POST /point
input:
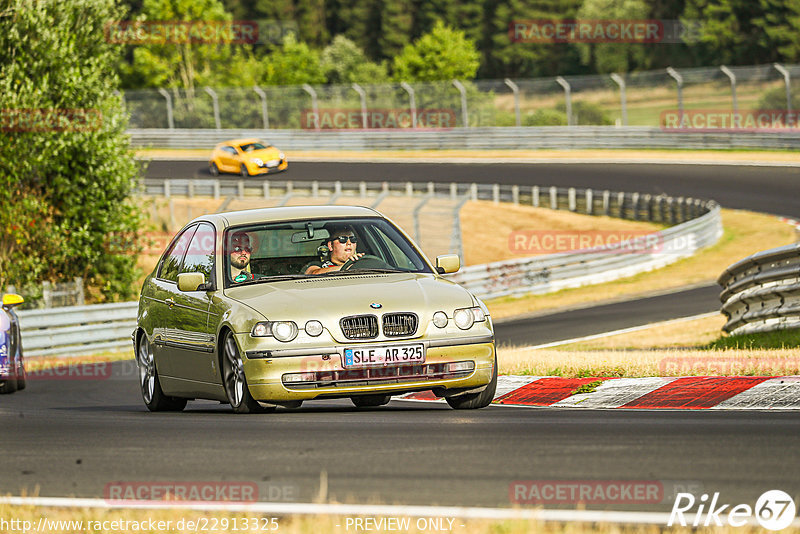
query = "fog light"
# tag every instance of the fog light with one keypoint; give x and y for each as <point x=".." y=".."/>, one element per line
<point x="313" y="328"/>
<point x="460" y="366"/>
<point x="440" y="319"/>
<point x="299" y="377"/>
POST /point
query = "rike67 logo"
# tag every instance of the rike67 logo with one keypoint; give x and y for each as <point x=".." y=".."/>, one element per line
<point x="774" y="510"/>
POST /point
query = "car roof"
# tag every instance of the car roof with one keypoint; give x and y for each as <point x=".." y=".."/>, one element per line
<point x="287" y="213"/>
<point x="242" y="141"/>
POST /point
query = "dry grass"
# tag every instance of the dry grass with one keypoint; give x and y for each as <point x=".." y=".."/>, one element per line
<point x="641" y="363"/>
<point x="745" y="233"/>
<point x="38" y="363"/>
<point x="670" y="334"/>
<point x="487" y="228"/>
<point x="178" y="521"/>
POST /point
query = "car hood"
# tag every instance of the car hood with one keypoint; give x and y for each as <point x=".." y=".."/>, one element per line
<point x="331" y="298"/>
<point x="265" y="153"/>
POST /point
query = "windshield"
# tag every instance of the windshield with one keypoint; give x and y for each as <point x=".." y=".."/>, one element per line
<point x="249" y="147"/>
<point x="275" y="251"/>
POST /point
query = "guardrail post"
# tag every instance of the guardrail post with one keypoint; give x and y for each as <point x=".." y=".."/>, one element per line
<point x="431" y="188"/>
<point x="412" y="103"/>
<point x="314" y="107"/>
<point x="264" y="114"/>
<point x="362" y="189"/>
<point x="47" y="294"/>
<point x="515" y="88"/>
<point x="240" y="187"/>
<point x="415" y="213"/>
<point x="679" y="80"/>
<point x="362" y="95"/>
<point x="635" y="202"/>
<point x="314" y="189"/>
<point x="266" y="189"/>
<point x="729" y="73"/>
<point x="787" y="82"/>
<point x="473" y="192"/>
<point x="515" y="194"/>
<point x="337" y="188"/>
<point x="167" y="188"/>
<point x="289" y="187"/>
<point x="190" y="189"/>
<point x="496" y="193"/>
<point x="621" y="204"/>
<point x="567" y="97"/>
<point x="453" y="190"/>
<point x="572" y="201"/>
<point x="79" y="291"/>
<point x="553" y="198"/>
<point x="409" y="189"/>
<point x="648" y="205"/>
<point x="215" y="103"/>
<point x="589" y="202"/>
<point x="623" y="101"/>
<point x="216" y="189"/>
<point x="464" y="111"/>
<point x="168" y="98"/>
<point x="606" y="202"/>
<point x="535" y="196"/>
<point x="671" y="210"/>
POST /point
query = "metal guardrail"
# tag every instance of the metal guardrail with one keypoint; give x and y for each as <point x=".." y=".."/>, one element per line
<point x="77" y="329"/>
<point x="84" y="329"/>
<point x="761" y="292"/>
<point x="513" y="138"/>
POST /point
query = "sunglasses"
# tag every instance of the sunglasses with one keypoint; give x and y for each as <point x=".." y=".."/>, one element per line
<point x="344" y="238"/>
<point x="239" y="248"/>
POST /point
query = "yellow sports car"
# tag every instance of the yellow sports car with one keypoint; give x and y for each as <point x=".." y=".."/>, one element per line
<point x="248" y="157"/>
<point x="275" y="306"/>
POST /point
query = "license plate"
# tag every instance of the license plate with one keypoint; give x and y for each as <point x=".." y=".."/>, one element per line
<point x="384" y="355"/>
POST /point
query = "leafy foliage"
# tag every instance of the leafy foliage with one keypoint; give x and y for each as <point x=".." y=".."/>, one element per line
<point x="64" y="186"/>
<point x="442" y="54"/>
<point x="294" y="63"/>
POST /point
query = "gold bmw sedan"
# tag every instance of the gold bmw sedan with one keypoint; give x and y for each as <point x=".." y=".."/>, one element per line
<point x="271" y="307"/>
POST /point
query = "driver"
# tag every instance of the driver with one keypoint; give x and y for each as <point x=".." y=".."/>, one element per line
<point x="240" y="251"/>
<point x="342" y="245"/>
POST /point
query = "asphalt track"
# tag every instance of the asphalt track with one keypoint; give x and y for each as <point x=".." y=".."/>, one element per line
<point x="75" y="437"/>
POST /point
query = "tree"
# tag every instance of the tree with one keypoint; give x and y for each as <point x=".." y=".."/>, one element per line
<point x="344" y="62"/>
<point x="442" y="54"/>
<point x="613" y="57"/>
<point x="292" y="64"/>
<point x="66" y="169"/>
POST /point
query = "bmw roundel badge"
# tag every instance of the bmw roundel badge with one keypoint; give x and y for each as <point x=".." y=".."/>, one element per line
<point x="375" y="306"/>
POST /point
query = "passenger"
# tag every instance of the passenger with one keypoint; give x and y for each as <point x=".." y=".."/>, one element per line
<point x="342" y="245"/>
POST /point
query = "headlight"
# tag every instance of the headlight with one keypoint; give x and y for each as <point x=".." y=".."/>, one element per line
<point x="281" y="156"/>
<point x="313" y="328"/>
<point x="258" y="161"/>
<point x="280" y="330"/>
<point x="466" y="317"/>
<point x="440" y="319"/>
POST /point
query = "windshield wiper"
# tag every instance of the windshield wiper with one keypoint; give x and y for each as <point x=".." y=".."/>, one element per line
<point x="363" y="271"/>
<point x="273" y="278"/>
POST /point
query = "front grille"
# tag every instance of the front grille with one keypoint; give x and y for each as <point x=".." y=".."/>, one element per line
<point x="399" y="324"/>
<point x="359" y="327"/>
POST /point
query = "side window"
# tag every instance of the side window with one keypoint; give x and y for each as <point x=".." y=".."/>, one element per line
<point x="399" y="259"/>
<point x="230" y="150"/>
<point x="200" y="255"/>
<point x="170" y="266"/>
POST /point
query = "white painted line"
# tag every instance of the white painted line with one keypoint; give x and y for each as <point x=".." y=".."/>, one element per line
<point x="508" y="383"/>
<point x="614" y="393"/>
<point x="616" y="332"/>
<point x="780" y="393"/>
<point x="579" y="516"/>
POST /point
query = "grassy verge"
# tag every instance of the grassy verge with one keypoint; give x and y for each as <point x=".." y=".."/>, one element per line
<point x="781" y="339"/>
<point x="745" y="233"/>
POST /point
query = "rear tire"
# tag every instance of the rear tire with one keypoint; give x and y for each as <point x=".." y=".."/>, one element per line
<point x="476" y="400"/>
<point x="235" y="382"/>
<point x="152" y="394"/>
<point x="370" y="401"/>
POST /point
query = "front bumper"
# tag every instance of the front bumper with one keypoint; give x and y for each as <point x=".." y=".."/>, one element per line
<point x="265" y="376"/>
<point x="256" y="170"/>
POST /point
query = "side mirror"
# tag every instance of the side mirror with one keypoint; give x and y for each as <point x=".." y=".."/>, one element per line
<point x="191" y="281"/>
<point x="10" y="300"/>
<point x="448" y="263"/>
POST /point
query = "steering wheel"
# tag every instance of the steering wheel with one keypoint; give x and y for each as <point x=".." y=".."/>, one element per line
<point x="365" y="262"/>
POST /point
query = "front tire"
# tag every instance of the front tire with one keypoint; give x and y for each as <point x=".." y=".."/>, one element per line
<point x="244" y="172"/>
<point x="213" y="169"/>
<point x="21" y="382"/>
<point x="234" y="380"/>
<point x="370" y="401"/>
<point x="476" y="400"/>
<point x="152" y="394"/>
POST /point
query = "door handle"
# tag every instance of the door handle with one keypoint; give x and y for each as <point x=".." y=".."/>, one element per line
<point x="169" y="302"/>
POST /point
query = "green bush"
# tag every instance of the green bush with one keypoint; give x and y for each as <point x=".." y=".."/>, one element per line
<point x="545" y="117"/>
